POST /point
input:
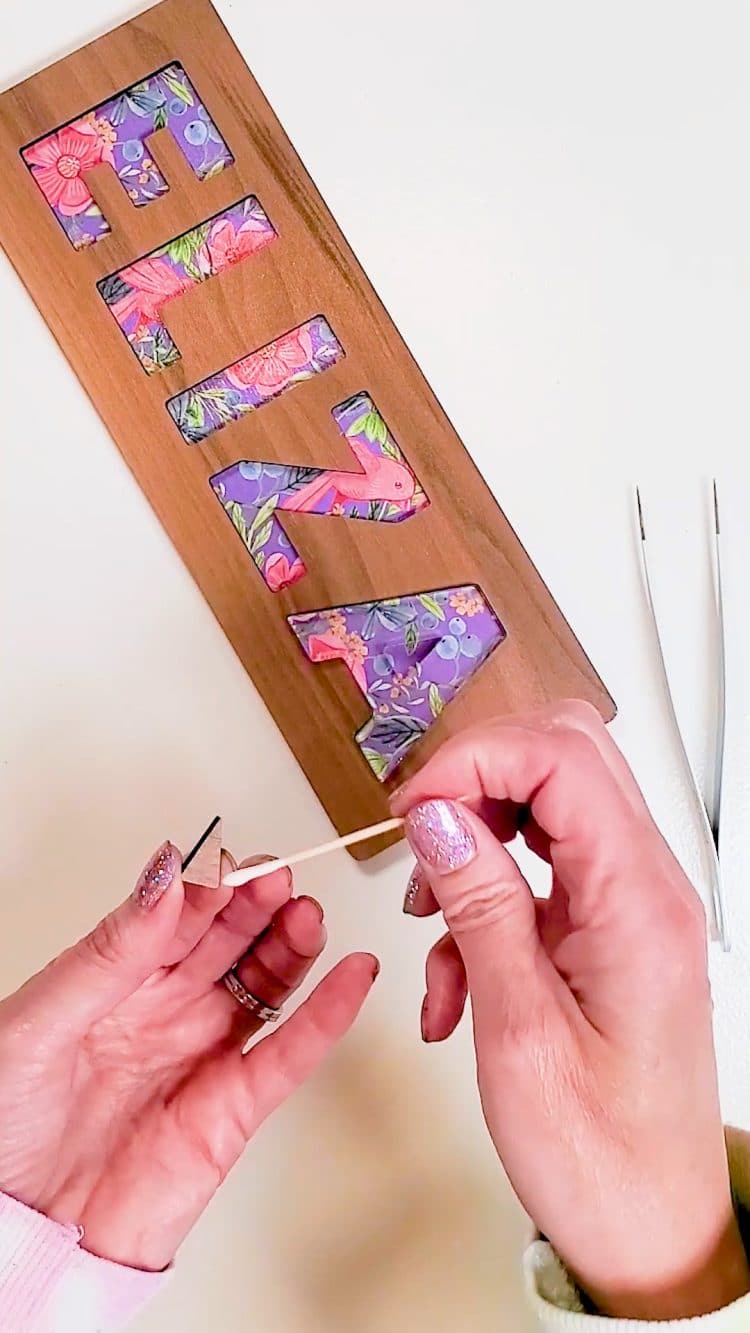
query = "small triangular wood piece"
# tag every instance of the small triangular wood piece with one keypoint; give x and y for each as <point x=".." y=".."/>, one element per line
<point x="205" y="867"/>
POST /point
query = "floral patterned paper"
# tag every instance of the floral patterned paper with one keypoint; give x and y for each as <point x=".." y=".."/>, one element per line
<point x="254" y="380"/>
<point x="384" y="489"/>
<point x="137" y="294"/>
<point x="409" y="656"/>
<point x="115" y="132"/>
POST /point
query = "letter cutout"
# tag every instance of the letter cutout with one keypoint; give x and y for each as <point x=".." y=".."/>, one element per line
<point x="254" y="380"/>
<point x="115" y="132"/>
<point x="409" y="656"/>
<point x="384" y="490"/>
<point x="137" y="294"/>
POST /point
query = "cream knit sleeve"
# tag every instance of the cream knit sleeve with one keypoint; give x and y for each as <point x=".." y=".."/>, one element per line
<point x="557" y="1303"/>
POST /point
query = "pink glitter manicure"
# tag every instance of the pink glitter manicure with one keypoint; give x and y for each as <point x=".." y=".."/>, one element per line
<point x="157" y="877"/>
<point x="416" y="880"/>
<point x="440" y="836"/>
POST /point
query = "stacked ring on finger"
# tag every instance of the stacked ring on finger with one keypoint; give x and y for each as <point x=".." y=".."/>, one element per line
<point x="263" y="1012"/>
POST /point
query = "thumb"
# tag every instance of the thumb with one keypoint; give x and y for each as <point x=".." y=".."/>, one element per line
<point x="487" y="904"/>
<point x="85" y="982"/>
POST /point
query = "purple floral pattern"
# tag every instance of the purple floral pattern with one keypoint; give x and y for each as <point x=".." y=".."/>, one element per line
<point x="115" y="132"/>
<point x="409" y="656"/>
<point x="384" y="490"/>
<point x="137" y="294"/>
<point x="255" y="379"/>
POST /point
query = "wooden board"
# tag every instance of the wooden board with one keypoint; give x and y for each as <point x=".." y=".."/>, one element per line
<point x="461" y="537"/>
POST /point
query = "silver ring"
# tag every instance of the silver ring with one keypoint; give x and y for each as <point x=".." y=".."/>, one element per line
<point x="263" y="1012"/>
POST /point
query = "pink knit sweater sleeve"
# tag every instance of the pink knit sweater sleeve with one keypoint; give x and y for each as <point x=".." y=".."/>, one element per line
<point x="48" y="1284"/>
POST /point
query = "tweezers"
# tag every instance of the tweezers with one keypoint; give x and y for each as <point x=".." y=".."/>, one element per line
<point x="709" y="822"/>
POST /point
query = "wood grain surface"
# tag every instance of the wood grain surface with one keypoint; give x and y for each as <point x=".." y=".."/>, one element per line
<point x="462" y="537"/>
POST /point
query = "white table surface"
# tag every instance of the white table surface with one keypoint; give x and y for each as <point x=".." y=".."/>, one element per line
<point x="552" y="201"/>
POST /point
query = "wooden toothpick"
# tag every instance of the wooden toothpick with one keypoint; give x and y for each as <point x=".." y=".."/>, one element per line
<point x="244" y="876"/>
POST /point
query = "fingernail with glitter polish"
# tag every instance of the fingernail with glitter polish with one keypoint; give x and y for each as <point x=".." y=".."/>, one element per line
<point x="441" y="836"/>
<point x="416" y="880"/>
<point x="157" y="877"/>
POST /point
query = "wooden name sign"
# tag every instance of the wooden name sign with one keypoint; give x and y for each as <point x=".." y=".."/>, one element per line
<point x="185" y="262"/>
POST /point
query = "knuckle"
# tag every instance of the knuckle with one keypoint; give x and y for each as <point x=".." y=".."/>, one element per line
<point x="104" y="946"/>
<point x="257" y="859"/>
<point x="686" y="921"/>
<point x="524" y="1038"/>
<point x="677" y="940"/>
<point x="579" y="713"/>
<point x="16" y="1026"/>
<point x="692" y="908"/>
<point x="228" y="862"/>
<point x="578" y="748"/>
<point x="477" y="906"/>
<point x="531" y="1040"/>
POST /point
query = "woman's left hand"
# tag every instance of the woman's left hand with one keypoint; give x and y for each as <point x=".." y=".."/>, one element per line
<point x="124" y="1096"/>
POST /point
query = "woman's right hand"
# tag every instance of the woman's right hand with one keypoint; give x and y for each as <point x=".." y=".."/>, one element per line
<point x="592" y="1010"/>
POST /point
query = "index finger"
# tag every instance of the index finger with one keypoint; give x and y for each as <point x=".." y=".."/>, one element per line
<point x="576" y="783"/>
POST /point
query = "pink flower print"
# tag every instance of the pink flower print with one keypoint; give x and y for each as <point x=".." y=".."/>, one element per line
<point x="280" y="574"/>
<point x="270" y="368"/>
<point x="59" y="163"/>
<point x="103" y="135"/>
<point x="330" y="648"/>
<point x="227" y="245"/>
<point x="154" y="282"/>
<point x="467" y="603"/>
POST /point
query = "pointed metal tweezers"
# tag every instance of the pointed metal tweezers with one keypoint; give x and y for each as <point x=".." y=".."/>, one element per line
<point x="710" y="824"/>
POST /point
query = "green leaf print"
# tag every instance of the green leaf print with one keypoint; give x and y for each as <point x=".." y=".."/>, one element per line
<point x="378" y="762"/>
<point x="234" y="511"/>
<point x="436" y="700"/>
<point x="372" y="426"/>
<point x="431" y="605"/>
<point x="389" y="450"/>
<point x="216" y="402"/>
<point x="195" y="415"/>
<point x="259" y="538"/>
<point x="160" y="118"/>
<point x="183" y="248"/>
<point x="375" y="428"/>
<point x="411" y="637"/>
<point x="164" y="351"/>
<point x="358" y="427"/>
<point x="179" y="89"/>
<point x="214" y="169"/>
<point x="262" y="525"/>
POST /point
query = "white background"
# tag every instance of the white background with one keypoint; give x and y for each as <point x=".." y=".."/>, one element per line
<point x="552" y="201"/>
